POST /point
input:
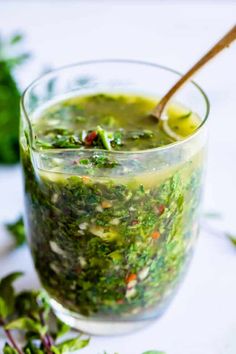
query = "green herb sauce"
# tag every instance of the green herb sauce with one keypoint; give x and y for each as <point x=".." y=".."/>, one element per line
<point x="110" y="233"/>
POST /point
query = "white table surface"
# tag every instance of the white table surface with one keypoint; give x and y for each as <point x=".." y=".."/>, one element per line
<point x="202" y="317"/>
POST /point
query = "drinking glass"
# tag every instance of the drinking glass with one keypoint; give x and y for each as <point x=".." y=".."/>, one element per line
<point x="111" y="268"/>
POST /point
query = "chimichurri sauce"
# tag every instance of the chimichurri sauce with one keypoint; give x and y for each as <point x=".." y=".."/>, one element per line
<point x="110" y="234"/>
<point x="111" y="122"/>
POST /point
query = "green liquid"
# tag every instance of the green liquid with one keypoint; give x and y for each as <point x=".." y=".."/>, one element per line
<point x="125" y="119"/>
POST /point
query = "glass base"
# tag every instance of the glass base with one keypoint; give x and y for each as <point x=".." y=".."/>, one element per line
<point x="97" y="327"/>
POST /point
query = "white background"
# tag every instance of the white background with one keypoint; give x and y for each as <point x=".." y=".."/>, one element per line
<point x="202" y="317"/>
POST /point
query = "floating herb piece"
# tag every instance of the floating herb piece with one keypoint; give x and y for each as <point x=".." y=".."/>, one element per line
<point x="109" y="122"/>
<point x="184" y="116"/>
<point x="105" y="137"/>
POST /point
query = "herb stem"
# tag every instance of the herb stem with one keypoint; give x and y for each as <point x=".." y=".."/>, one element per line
<point x="46" y="340"/>
<point x="10" y="337"/>
<point x="46" y="345"/>
<point x="12" y="341"/>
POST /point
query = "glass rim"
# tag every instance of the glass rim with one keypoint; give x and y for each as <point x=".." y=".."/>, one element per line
<point x="118" y="61"/>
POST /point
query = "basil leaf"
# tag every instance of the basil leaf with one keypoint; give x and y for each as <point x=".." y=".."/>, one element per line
<point x="73" y="344"/>
<point x="27" y="324"/>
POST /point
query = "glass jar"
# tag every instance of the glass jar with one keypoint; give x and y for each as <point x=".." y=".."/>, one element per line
<point x="113" y="268"/>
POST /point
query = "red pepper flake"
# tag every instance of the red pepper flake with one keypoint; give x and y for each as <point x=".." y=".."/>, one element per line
<point x="160" y="209"/>
<point x="131" y="277"/>
<point x="155" y="235"/>
<point x="134" y="222"/>
<point x="90" y="137"/>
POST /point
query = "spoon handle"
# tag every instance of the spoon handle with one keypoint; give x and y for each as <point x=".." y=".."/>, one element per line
<point x="224" y="42"/>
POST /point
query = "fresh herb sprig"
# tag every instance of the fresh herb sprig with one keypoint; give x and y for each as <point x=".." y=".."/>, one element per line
<point x="10" y="57"/>
<point x="29" y="312"/>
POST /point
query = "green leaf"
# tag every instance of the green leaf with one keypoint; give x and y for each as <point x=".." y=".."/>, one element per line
<point x="232" y="238"/>
<point x="27" y="324"/>
<point x="62" y="329"/>
<point x="43" y="303"/>
<point x="17" y="231"/>
<point x="9" y="116"/>
<point x="73" y="344"/>
<point x="7" y="294"/>
<point x="31" y="348"/>
<point x="9" y="350"/>
<point x="104" y="136"/>
<point x="10" y="278"/>
<point x="10" y="57"/>
<point x="3" y="308"/>
<point x="55" y="350"/>
<point x="26" y="303"/>
<point x="102" y="161"/>
<point x="16" y="38"/>
<point x="31" y="302"/>
<point x="184" y="116"/>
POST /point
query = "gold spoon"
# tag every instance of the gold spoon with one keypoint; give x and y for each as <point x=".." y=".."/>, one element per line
<point x="217" y="48"/>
